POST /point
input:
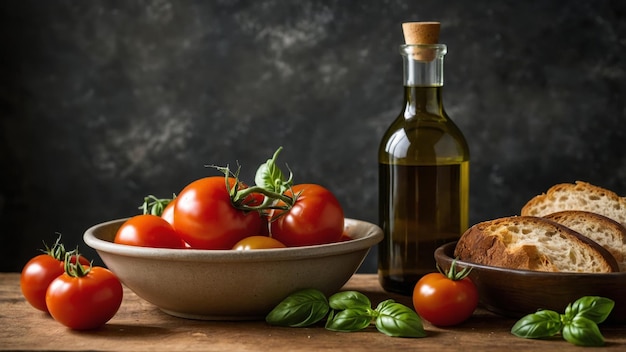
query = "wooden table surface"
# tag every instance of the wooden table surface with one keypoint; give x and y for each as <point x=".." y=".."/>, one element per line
<point x="140" y="326"/>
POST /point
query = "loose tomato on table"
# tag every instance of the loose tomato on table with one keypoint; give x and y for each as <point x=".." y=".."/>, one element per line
<point x="148" y="231"/>
<point x="445" y="299"/>
<point x="206" y="214"/>
<point x="316" y="217"/>
<point x="40" y="271"/>
<point x="84" y="297"/>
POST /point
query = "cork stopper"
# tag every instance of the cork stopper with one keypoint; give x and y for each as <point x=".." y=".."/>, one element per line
<point x="421" y="32"/>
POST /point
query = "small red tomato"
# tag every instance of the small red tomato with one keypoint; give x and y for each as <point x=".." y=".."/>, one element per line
<point x="315" y="218"/>
<point x="84" y="297"/>
<point x="148" y="231"/>
<point x="257" y="242"/>
<point x="40" y="271"/>
<point x="445" y="299"/>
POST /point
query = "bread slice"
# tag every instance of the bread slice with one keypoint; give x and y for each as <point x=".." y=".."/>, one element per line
<point x="533" y="243"/>
<point x="578" y="196"/>
<point x="605" y="231"/>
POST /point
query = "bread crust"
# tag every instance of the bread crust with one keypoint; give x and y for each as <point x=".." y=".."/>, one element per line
<point x="478" y="245"/>
<point x="578" y="196"/>
<point x="497" y="243"/>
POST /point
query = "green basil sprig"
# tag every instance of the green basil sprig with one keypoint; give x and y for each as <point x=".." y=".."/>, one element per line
<point x="345" y="312"/>
<point x="579" y="324"/>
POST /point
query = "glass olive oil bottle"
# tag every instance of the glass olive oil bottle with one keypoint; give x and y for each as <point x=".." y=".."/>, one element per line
<point x="423" y="175"/>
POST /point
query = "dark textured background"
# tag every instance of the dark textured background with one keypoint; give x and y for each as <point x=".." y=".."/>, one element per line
<point x="103" y="102"/>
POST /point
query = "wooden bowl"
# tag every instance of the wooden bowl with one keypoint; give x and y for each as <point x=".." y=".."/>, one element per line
<point x="515" y="293"/>
<point x="230" y="284"/>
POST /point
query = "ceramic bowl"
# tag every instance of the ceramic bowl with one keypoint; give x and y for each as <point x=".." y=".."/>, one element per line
<point x="229" y="284"/>
<point x="515" y="293"/>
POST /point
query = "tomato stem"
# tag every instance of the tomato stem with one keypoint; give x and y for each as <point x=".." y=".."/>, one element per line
<point x="270" y="183"/>
<point x="155" y="206"/>
<point x="75" y="269"/>
<point x="452" y="273"/>
<point x="271" y="200"/>
<point x="58" y="249"/>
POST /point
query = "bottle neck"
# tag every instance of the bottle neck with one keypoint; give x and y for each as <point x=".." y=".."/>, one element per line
<point x="423" y="64"/>
<point x="423" y="78"/>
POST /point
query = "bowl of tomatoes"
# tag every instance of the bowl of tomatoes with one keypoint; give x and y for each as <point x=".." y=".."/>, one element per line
<point x="228" y="284"/>
<point x="225" y="249"/>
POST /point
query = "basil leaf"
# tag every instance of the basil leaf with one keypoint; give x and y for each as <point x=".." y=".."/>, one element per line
<point x="349" y="299"/>
<point x="582" y="331"/>
<point x="302" y="308"/>
<point x="350" y="319"/>
<point x="395" y="319"/>
<point x="270" y="177"/>
<point x="597" y="309"/>
<point x="543" y="323"/>
<point x="383" y="305"/>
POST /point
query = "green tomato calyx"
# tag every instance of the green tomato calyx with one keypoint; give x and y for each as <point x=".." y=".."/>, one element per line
<point x="75" y="268"/>
<point x="453" y="274"/>
<point x="57" y="251"/>
<point x="155" y="206"/>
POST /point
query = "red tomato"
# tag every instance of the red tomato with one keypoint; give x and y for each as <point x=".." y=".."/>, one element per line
<point x="205" y="217"/>
<point x="148" y="231"/>
<point x="168" y="212"/>
<point x="84" y="302"/>
<point x="40" y="271"/>
<point x="168" y="215"/>
<point x="315" y="218"/>
<point x="445" y="300"/>
<point x="257" y="242"/>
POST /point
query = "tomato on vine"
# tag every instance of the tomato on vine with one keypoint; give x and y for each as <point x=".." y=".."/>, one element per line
<point x="84" y="297"/>
<point x="445" y="299"/>
<point x="40" y="271"/>
<point x="316" y="217"/>
<point x="298" y="215"/>
<point x="207" y="216"/>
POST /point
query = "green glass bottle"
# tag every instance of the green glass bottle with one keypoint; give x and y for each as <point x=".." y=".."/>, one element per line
<point x="423" y="175"/>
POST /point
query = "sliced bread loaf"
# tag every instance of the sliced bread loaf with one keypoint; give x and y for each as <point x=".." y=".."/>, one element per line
<point x="533" y="243"/>
<point x="578" y="196"/>
<point x="605" y="231"/>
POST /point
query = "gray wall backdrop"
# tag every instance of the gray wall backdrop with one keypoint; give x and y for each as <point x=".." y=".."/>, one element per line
<point x="103" y="102"/>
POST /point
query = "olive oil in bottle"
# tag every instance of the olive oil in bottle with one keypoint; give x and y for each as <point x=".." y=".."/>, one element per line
<point x="423" y="169"/>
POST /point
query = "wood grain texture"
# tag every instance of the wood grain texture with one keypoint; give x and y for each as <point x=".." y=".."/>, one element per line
<point x="139" y="326"/>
